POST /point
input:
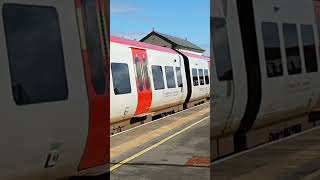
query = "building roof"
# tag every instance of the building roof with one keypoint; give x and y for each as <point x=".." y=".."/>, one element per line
<point x="175" y="41"/>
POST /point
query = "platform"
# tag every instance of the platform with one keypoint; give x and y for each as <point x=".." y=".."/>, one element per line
<point x="296" y="157"/>
<point x="174" y="147"/>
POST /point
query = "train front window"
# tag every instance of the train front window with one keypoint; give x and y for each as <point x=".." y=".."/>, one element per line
<point x="35" y="53"/>
<point x="158" y="80"/>
<point x="221" y="49"/>
<point x="171" y="83"/>
<point x="201" y="76"/>
<point x="309" y="48"/>
<point x="206" y="76"/>
<point x="195" y="77"/>
<point x="272" y="49"/>
<point x="121" y="78"/>
<point x="290" y="34"/>
<point x="95" y="51"/>
<point x="179" y="77"/>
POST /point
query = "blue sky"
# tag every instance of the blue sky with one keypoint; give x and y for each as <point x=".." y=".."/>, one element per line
<point x="133" y="19"/>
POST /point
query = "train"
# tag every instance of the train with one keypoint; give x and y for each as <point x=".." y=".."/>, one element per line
<point x="265" y="75"/>
<point x="54" y="93"/>
<point x="149" y="81"/>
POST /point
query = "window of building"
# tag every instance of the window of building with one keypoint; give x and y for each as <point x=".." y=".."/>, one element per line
<point x="121" y="78"/>
<point x="291" y="41"/>
<point x="272" y="49"/>
<point x="158" y="80"/>
<point x="139" y="74"/>
<point x="195" y="77"/>
<point x="309" y="48"/>
<point x="221" y="49"/>
<point x="171" y="83"/>
<point x="179" y="77"/>
<point x="201" y="77"/>
<point x="35" y="52"/>
<point x="93" y="41"/>
<point x="206" y="76"/>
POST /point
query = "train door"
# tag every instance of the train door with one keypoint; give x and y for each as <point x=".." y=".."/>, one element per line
<point x="223" y="81"/>
<point x="92" y="18"/>
<point x="140" y="60"/>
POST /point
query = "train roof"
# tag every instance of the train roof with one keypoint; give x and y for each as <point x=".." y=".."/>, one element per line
<point x="142" y="45"/>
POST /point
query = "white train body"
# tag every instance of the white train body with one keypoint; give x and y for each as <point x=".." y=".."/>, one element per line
<point x="265" y="59"/>
<point x="171" y="90"/>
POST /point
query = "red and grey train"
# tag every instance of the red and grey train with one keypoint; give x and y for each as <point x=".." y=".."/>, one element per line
<point x="148" y="79"/>
<point x="54" y="93"/>
<point x="265" y="71"/>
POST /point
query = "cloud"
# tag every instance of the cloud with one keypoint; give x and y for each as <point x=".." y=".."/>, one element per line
<point x="123" y="8"/>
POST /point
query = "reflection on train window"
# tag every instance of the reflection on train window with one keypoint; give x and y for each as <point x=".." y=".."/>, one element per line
<point x="221" y="49"/>
<point x="201" y="78"/>
<point x="93" y="41"/>
<point x="179" y="77"/>
<point x="272" y="49"/>
<point x="290" y="33"/>
<point x="146" y="74"/>
<point x="195" y="77"/>
<point x="171" y="83"/>
<point x="206" y="76"/>
<point x="121" y="78"/>
<point x="139" y="74"/>
<point x="35" y="54"/>
<point x="157" y="74"/>
<point x="309" y="48"/>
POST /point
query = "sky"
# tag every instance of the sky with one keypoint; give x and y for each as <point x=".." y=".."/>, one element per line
<point x="133" y="19"/>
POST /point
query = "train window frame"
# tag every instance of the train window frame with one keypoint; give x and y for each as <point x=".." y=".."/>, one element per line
<point x="125" y="74"/>
<point x="179" y="77"/>
<point x="221" y="49"/>
<point x="170" y="77"/>
<point x="158" y="84"/>
<point x="195" y="77"/>
<point x="292" y="52"/>
<point x="41" y="76"/>
<point x="206" y="76"/>
<point x="311" y="66"/>
<point x="201" y="78"/>
<point x="94" y="47"/>
<point x="269" y="53"/>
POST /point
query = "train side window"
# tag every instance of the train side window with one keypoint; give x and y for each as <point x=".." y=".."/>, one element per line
<point x="121" y="78"/>
<point x="171" y="83"/>
<point x="179" y="77"/>
<point x="195" y="77"/>
<point x="146" y="73"/>
<point x="158" y="80"/>
<point x="291" y="41"/>
<point x="309" y="48"/>
<point x="221" y="49"/>
<point x="35" y="53"/>
<point x="206" y="76"/>
<point x="201" y="78"/>
<point x="272" y="49"/>
<point x="95" y="51"/>
<point x="139" y="74"/>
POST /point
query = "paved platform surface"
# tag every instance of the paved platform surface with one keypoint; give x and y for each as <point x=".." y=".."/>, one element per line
<point x="173" y="148"/>
<point x="294" y="158"/>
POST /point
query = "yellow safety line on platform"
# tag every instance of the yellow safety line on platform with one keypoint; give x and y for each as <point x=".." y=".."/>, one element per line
<point x="136" y="142"/>
<point x="314" y="175"/>
<point x="154" y="146"/>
